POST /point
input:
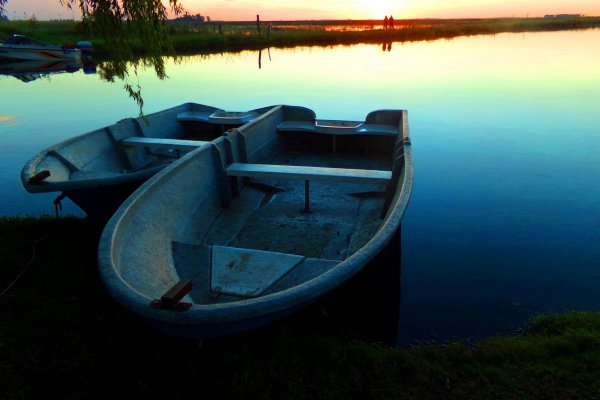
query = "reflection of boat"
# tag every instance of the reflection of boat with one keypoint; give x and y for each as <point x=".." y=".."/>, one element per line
<point x="21" y="47"/>
<point x="28" y="71"/>
<point x="217" y="242"/>
<point x="99" y="169"/>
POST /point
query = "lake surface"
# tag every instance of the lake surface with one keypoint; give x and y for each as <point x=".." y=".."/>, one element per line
<point x="504" y="222"/>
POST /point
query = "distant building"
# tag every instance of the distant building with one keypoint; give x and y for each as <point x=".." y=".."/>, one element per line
<point x="563" y="16"/>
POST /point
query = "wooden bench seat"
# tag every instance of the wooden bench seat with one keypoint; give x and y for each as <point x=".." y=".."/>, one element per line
<point x="338" y="128"/>
<point x="218" y="117"/>
<point x="309" y="173"/>
<point x="296" y="126"/>
<point x="194" y="116"/>
<point x="157" y="143"/>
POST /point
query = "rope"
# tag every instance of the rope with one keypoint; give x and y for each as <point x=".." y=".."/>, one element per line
<point x="57" y="203"/>
<point x="33" y="256"/>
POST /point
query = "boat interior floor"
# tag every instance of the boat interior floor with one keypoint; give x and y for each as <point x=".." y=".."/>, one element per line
<point x="338" y="223"/>
<point x="343" y="217"/>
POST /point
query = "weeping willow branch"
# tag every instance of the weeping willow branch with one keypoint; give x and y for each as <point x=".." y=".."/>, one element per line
<point x="120" y="69"/>
<point x="129" y="28"/>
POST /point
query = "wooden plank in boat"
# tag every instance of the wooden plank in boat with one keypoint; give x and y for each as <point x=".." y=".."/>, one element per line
<point x="309" y="173"/>
<point x="232" y="117"/>
<point x="194" y="116"/>
<point x="338" y="128"/>
<point x="218" y="117"/>
<point x="296" y="126"/>
<point x="248" y="272"/>
<point x="177" y="144"/>
<point x="370" y="129"/>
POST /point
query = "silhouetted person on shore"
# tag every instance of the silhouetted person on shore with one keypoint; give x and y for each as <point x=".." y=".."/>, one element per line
<point x="385" y="22"/>
<point x="391" y="22"/>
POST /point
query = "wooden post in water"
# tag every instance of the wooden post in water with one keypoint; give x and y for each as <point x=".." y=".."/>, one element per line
<point x="258" y="23"/>
<point x="269" y="31"/>
<point x="259" y="59"/>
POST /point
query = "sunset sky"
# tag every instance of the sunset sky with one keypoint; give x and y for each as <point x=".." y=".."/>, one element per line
<point x="338" y="9"/>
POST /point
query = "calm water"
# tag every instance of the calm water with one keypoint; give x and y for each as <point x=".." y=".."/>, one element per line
<point x="504" y="222"/>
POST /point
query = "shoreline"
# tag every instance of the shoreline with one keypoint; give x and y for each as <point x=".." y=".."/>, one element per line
<point x="215" y="37"/>
<point x="62" y="334"/>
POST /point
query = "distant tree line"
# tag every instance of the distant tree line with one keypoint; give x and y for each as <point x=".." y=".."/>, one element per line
<point x="563" y="15"/>
<point x="187" y="17"/>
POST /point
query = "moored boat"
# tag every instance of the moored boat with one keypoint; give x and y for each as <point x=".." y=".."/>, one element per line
<point x="99" y="169"/>
<point x="259" y="223"/>
<point x="21" y="47"/>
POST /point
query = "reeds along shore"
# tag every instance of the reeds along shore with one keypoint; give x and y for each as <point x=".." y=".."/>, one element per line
<point x="207" y="37"/>
<point x="62" y="336"/>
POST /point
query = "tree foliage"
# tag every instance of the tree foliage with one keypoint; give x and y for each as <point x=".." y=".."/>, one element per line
<point x="129" y="28"/>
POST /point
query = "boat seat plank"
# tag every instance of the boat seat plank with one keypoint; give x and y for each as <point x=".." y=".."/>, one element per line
<point x="232" y="117"/>
<point x="218" y="117"/>
<point x="349" y="128"/>
<point x="370" y="129"/>
<point x="248" y="272"/>
<point x="194" y="116"/>
<point x="177" y="144"/>
<point x="309" y="173"/>
<point x="296" y="126"/>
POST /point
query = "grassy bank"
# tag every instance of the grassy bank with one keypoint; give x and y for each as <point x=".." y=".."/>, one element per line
<point x="62" y="336"/>
<point x="232" y="36"/>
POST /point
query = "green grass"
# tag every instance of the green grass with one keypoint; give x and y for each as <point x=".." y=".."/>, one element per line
<point x="206" y="37"/>
<point x="59" y="32"/>
<point x="62" y="336"/>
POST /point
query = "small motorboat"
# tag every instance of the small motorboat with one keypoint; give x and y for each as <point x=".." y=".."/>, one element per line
<point x="19" y="47"/>
<point x="99" y="169"/>
<point x="260" y="222"/>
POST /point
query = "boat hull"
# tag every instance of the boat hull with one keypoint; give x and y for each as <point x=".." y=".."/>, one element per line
<point x="100" y="203"/>
<point x="38" y="53"/>
<point x="368" y="304"/>
<point x="234" y="243"/>
<point x="99" y="169"/>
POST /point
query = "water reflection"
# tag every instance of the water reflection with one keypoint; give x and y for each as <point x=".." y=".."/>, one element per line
<point x="8" y="118"/>
<point x="504" y="219"/>
<point x="123" y="68"/>
<point x="260" y="57"/>
<point x="28" y="71"/>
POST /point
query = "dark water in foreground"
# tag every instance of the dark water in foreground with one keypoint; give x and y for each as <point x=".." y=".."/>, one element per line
<point x="504" y="222"/>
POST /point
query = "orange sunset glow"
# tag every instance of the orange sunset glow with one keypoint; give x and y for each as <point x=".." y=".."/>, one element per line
<point x="235" y="10"/>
